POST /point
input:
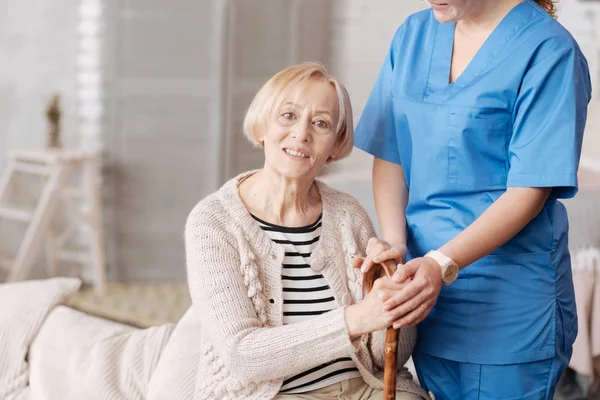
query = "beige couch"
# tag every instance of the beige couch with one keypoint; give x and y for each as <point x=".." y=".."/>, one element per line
<point x="75" y="352"/>
<point x="52" y="352"/>
<point x="49" y="351"/>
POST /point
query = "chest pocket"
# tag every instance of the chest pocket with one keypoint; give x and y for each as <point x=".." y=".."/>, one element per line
<point x="477" y="151"/>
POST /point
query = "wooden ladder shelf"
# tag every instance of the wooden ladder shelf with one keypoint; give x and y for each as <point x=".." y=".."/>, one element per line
<point x="53" y="167"/>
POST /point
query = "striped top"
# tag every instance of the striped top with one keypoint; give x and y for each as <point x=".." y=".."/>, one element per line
<point x="306" y="293"/>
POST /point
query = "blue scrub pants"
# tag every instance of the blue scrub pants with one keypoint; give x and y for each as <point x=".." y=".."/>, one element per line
<point x="454" y="380"/>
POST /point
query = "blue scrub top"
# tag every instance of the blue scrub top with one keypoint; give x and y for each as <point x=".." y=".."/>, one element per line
<point x="515" y="117"/>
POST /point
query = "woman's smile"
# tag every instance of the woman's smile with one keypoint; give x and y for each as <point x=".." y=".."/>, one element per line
<point x="296" y="154"/>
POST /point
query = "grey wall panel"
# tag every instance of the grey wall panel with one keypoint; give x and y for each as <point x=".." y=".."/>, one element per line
<point x="165" y="45"/>
<point x="314" y="31"/>
<point x="38" y="46"/>
<point x="164" y="168"/>
<point x="164" y="116"/>
<point x="261" y="37"/>
<point x="162" y="6"/>
<point x="266" y="36"/>
<point x="245" y="155"/>
<point x="164" y="136"/>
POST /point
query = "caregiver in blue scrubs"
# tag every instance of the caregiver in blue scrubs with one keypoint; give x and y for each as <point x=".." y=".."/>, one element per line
<point x="476" y="123"/>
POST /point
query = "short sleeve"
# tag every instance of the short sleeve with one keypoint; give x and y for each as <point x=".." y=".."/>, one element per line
<point x="375" y="132"/>
<point x="549" y="120"/>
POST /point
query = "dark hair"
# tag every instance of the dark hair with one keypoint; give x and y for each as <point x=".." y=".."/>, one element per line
<point x="549" y="6"/>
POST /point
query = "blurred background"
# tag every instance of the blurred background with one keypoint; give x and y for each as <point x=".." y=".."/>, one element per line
<point x="160" y="89"/>
<point x="157" y="90"/>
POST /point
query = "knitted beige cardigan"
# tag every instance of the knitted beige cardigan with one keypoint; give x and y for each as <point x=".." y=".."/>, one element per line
<point x="234" y="274"/>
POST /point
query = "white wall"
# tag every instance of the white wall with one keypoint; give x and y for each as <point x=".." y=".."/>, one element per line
<point x="362" y="33"/>
<point x="582" y="19"/>
<point x="38" y="52"/>
<point x="38" y="46"/>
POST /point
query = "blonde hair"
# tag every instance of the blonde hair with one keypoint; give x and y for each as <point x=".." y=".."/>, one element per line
<point x="273" y="93"/>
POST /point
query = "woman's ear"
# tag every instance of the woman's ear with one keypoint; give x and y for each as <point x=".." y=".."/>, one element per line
<point x="338" y="148"/>
<point x="335" y="152"/>
<point x="260" y="139"/>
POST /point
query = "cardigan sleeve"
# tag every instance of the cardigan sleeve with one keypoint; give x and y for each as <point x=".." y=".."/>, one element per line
<point x="252" y="350"/>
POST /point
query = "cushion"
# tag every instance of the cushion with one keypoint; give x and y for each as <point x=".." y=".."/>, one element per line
<point x="120" y="367"/>
<point x="23" y="309"/>
<point x="24" y="394"/>
<point x="64" y="333"/>
<point x="79" y="356"/>
<point x="175" y="375"/>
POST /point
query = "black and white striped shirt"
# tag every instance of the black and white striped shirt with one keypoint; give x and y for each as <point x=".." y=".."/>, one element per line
<point x="306" y="293"/>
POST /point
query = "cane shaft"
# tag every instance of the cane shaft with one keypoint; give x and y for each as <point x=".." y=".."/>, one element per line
<point x="391" y="336"/>
<point x="389" y="366"/>
<point x="391" y="349"/>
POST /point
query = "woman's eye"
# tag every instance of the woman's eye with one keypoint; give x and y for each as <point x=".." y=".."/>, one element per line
<point x="321" y="124"/>
<point x="288" y="115"/>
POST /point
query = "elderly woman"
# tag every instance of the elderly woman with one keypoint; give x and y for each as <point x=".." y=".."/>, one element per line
<point x="280" y="305"/>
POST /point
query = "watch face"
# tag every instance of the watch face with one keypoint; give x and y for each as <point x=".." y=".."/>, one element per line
<point x="448" y="274"/>
<point x="451" y="273"/>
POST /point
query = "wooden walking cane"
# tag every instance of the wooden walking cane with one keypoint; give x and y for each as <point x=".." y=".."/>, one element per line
<point x="391" y="335"/>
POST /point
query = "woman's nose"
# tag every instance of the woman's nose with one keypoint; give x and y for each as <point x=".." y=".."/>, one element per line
<point x="302" y="130"/>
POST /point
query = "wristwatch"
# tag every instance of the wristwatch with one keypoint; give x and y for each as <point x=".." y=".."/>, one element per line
<point x="448" y="266"/>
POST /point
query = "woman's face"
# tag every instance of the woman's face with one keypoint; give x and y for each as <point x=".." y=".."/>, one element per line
<point x="455" y="10"/>
<point x="301" y="134"/>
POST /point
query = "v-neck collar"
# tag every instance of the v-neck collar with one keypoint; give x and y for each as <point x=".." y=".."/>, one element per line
<point x="439" y="77"/>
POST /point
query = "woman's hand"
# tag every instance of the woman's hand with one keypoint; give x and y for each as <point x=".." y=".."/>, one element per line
<point x="379" y="251"/>
<point x="369" y="315"/>
<point x="412" y="304"/>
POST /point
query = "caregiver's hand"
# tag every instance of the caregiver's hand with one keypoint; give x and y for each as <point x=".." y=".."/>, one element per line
<point x="411" y="305"/>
